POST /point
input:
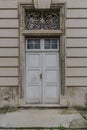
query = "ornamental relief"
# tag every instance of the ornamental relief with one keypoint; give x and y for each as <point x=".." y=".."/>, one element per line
<point x="42" y="19"/>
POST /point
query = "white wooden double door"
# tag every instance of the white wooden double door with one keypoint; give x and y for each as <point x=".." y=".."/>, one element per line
<point x="42" y="77"/>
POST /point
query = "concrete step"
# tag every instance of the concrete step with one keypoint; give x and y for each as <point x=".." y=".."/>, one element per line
<point x="44" y="106"/>
<point x="39" y="118"/>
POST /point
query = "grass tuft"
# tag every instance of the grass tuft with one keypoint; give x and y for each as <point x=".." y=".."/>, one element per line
<point x="6" y="109"/>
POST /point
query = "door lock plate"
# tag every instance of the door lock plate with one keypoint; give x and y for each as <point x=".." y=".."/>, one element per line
<point x="40" y="76"/>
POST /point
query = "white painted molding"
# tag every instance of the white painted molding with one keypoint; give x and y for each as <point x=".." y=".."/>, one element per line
<point x="42" y="4"/>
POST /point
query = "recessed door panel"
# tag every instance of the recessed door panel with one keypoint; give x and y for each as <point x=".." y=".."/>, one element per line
<point x="33" y="94"/>
<point x="50" y="76"/>
<point x="34" y="60"/>
<point x="51" y="60"/>
<point x="33" y="76"/>
<point x="51" y="93"/>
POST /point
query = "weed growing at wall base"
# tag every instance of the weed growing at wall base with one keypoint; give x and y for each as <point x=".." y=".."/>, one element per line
<point x="61" y="128"/>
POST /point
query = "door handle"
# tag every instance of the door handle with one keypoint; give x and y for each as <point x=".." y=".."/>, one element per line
<point x="40" y="76"/>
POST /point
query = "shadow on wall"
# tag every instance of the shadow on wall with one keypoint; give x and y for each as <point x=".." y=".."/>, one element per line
<point x="86" y="99"/>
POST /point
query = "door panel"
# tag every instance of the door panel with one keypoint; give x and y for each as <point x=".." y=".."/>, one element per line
<point x="33" y="76"/>
<point x="51" y="60"/>
<point x="34" y="60"/>
<point x="50" y="76"/>
<point x="51" y="84"/>
<point x="33" y="82"/>
<point x="50" y="94"/>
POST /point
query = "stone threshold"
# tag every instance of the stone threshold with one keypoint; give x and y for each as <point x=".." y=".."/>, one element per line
<point x="40" y="128"/>
<point x="50" y="106"/>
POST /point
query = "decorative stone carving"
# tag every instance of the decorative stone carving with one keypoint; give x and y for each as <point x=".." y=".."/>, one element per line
<point x="51" y="20"/>
<point x="41" y="4"/>
<point x="32" y="20"/>
<point x="40" y="19"/>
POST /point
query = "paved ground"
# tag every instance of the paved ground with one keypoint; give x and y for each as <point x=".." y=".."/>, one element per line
<point x="39" y="118"/>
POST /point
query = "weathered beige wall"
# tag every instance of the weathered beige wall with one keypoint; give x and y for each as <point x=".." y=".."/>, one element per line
<point x="76" y="48"/>
<point x="9" y="52"/>
<point x="76" y="51"/>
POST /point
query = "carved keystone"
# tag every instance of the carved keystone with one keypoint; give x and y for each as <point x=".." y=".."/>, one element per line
<point x="42" y="4"/>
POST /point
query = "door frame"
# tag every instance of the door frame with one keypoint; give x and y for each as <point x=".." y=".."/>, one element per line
<point x="42" y="51"/>
<point x="41" y="33"/>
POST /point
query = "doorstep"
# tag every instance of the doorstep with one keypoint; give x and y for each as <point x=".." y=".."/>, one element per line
<point x="50" y="106"/>
<point x="39" y="118"/>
